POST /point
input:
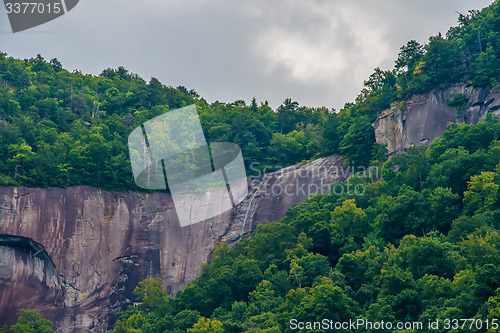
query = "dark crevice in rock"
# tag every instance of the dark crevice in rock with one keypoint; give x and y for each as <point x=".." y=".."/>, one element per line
<point x="35" y="249"/>
<point x="105" y="243"/>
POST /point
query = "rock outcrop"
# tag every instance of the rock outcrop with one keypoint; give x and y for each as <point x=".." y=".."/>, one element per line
<point x="28" y="275"/>
<point x="424" y="117"/>
<point x="76" y="254"/>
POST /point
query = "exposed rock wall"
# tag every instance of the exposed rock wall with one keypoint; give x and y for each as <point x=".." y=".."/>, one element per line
<point x="271" y="195"/>
<point x="424" y="117"/>
<point x="29" y="276"/>
<point x="102" y="244"/>
<point x="95" y="246"/>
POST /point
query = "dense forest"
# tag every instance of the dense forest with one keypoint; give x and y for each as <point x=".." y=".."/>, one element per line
<point x="421" y="243"/>
<point x="61" y="129"/>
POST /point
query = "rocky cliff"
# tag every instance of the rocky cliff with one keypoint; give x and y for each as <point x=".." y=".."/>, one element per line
<point x="76" y="254"/>
<point x="424" y="117"/>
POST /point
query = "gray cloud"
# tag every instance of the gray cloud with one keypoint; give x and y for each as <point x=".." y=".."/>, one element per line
<point x="317" y="52"/>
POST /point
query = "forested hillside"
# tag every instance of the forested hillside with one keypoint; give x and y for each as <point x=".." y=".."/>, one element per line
<point x="467" y="53"/>
<point x="61" y="129"/>
<point x="419" y="244"/>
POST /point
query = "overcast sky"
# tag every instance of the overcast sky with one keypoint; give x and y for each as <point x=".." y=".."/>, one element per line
<point x="317" y="52"/>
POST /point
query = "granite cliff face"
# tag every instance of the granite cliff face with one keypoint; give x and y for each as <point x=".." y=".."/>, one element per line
<point x="424" y="117"/>
<point x="26" y="269"/>
<point x="76" y="254"/>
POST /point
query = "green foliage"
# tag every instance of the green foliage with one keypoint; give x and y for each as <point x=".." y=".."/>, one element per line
<point x="206" y="326"/>
<point x="482" y="192"/>
<point x="466" y="54"/>
<point x="422" y="243"/>
<point x="413" y="247"/>
<point x="458" y="100"/>
<point x="63" y="129"/>
<point x="30" y="321"/>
